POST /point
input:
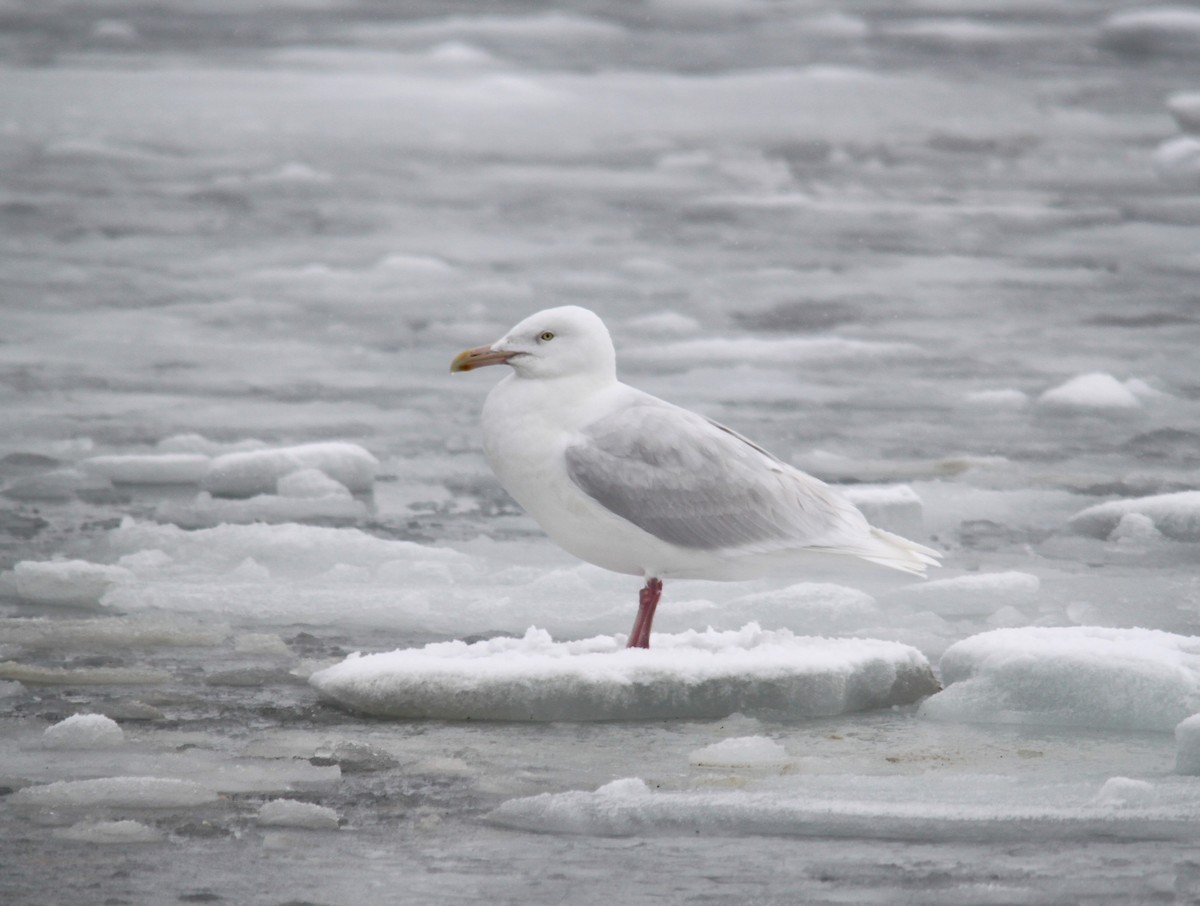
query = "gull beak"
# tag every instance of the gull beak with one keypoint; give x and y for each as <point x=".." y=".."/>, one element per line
<point x="478" y="357"/>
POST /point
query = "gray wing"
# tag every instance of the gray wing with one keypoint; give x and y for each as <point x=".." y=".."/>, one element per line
<point x="696" y="484"/>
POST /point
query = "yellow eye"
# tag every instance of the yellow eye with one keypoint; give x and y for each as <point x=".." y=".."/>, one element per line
<point x="545" y="336"/>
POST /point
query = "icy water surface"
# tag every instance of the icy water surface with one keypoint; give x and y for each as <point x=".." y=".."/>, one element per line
<point x="952" y="250"/>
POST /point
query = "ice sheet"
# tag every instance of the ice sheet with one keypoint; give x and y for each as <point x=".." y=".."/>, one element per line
<point x="687" y="676"/>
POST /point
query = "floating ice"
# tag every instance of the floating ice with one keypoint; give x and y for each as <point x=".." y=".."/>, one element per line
<point x="84" y="731"/>
<point x="1125" y="792"/>
<point x="74" y="583"/>
<point x="59" y="484"/>
<point x="1095" y="392"/>
<point x="1177" y="162"/>
<point x="966" y="807"/>
<point x="1185" y="107"/>
<point x="1080" y="676"/>
<point x="128" y="792"/>
<point x="251" y="472"/>
<point x="159" y="468"/>
<point x="206" y="511"/>
<point x="103" y="832"/>
<point x="1175" y="515"/>
<point x="36" y="675"/>
<point x="689" y="675"/>
<point x="741" y="751"/>
<point x="998" y="399"/>
<point x="1187" y="745"/>
<point x="290" y="813"/>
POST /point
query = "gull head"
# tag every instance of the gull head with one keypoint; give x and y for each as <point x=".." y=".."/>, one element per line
<point x="558" y="342"/>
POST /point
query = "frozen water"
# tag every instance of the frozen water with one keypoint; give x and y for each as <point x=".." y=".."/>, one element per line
<point x="691" y="675"/>
<point x="1096" y="391"/>
<point x="246" y="473"/>
<point x="742" y="751"/>
<point x="290" y="813"/>
<point x="84" y="731"/>
<point x="871" y="239"/>
<point x="1136" y="679"/>
<point x="128" y="792"/>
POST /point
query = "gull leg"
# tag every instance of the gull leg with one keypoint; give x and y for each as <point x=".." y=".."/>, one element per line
<point x="639" y="636"/>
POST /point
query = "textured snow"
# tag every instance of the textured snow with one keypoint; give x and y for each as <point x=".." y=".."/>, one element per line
<point x="290" y="813"/>
<point x="690" y="675"/>
<point x="1175" y="515"/>
<point x="1080" y="676"/>
<point x="84" y="731"/>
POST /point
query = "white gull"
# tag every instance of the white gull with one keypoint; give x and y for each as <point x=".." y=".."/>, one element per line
<point x="634" y="484"/>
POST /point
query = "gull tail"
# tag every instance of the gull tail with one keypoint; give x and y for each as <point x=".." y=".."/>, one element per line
<point x="899" y="553"/>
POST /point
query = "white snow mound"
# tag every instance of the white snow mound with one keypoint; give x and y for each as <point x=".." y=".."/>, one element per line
<point x="689" y="675"/>
<point x="250" y="472"/>
<point x="1079" y="676"/>
<point x="1096" y="392"/>
<point x="1175" y="515"/>
<point x="84" y="731"/>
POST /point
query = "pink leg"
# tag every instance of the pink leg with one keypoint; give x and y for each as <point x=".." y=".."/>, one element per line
<point x="639" y="636"/>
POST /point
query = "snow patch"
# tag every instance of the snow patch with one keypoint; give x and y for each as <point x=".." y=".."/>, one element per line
<point x="126" y="792"/>
<point x="244" y="474"/>
<point x="75" y="583"/>
<point x="973" y="595"/>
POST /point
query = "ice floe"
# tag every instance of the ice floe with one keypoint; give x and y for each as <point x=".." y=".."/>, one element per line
<point x="1177" y="162"/>
<point x="291" y="813"/>
<point x="973" y="594"/>
<point x="128" y="792"/>
<point x="150" y="468"/>
<point x="1078" y="676"/>
<point x="742" y="751"/>
<point x="244" y="474"/>
<point x="84" y="731"/>
<point x="1094" y="392"/>
<point x="120" y="832"/>
<point x="75" y="583"/>
<point x="688" y="675"/>
<point x="1176" y="515"/>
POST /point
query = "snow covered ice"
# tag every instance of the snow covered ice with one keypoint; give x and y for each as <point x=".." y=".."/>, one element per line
<point x="942" y="256"/>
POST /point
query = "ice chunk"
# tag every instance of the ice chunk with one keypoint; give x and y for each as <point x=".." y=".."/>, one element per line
<point x="741" y="751"/>
<point x="971" y="806"/>
<point x="196" y="443"/>
<point x="1175" y="515"/>
<point x="60" y="484"/>
<point x="1185" y="107"/>
<point x="1080" y="676"/>
<point x="128" y="792"/>
<point x="895" y="508"/>
<point x="290" y="813"/>
<point x="1125" y="792"/>
<point x="120" y="832"/>
<point x="689" y="675"/>
<point x="310" y="483"/>
<point x="253" y="472"/>
<point x="74" y="583"/>
<point x="998" y="399"/>
<point x="1155" y="31"/>
<point x="1187" y="743"/>
<point x="1177" y="162"/>
<point x="84" y="731"/>
<point x="1095" y="392"/>
<point x="973" y="595"/>
<point x="206" y="511"/>
<point x="162" y="468"/>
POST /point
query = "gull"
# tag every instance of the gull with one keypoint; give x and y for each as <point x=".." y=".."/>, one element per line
<point x="640" y="486"/>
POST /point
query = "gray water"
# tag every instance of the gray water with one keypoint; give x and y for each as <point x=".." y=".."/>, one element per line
<point x="280" y="221"/>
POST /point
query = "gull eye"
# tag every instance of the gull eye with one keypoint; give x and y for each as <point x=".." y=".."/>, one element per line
<point x="546" y="336"/>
